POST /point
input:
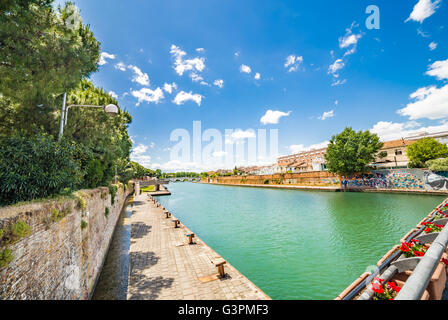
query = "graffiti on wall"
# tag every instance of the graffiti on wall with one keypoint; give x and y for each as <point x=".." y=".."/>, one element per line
<point x="398" y="179"/>
<point x="435" y="181"/>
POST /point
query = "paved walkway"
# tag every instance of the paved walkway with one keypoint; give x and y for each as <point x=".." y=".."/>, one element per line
<point x="164" y="267"/>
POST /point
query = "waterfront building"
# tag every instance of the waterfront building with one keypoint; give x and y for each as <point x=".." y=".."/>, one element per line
<point x="442" y="136"/>
<point x="393" y="155"/>
<point x="305" y="161"/>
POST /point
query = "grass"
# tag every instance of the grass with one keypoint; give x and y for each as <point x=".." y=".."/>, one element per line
<point x="149" y="189"/>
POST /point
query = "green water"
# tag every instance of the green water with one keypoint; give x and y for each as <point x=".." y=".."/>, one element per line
<point x="297" y="244"/>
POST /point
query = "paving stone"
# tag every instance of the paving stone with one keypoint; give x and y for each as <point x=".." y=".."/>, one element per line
<point x="165" y="267"/>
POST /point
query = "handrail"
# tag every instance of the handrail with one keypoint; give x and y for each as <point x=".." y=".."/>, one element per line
<point x="418" y="281"/>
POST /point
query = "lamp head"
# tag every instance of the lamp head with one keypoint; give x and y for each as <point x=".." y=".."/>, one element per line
<point x="111" y="109"/>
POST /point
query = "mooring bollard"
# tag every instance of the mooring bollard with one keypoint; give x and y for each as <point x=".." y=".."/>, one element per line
<point x="190" y="238"/>
<point x="219" y="263"/>
<point x="176" y="223"/>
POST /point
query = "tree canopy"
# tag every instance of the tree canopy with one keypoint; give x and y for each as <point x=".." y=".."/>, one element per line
<point x="351" y="152"/>
<point x="425" y="149"/>
<point x="43" y="53"/>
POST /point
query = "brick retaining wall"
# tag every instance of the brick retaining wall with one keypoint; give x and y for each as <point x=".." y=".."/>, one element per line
<point x="59" y="260"/>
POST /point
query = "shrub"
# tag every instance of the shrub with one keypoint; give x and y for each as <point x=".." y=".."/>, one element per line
<point x="83" y="224"/>
<point x="5" y="257"/>
<point x="19" y="230"/>
<point x="81" y="202"/>
<point x="106" y="211"/>
<point x="438" y="164"/>
<point x="35" y="167"/>
<point x="113" y="192"/>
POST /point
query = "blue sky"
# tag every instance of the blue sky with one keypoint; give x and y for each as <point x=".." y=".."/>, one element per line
<point x="318" y="65"/>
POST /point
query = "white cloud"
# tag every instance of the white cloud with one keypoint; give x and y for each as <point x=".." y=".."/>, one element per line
<point x="181" y="65"/>
<point x="183" y="96"/>
<point x="429" y="102"/>
<point x="139" y="76"/>
<point x="148" y="95"/>
<point x="245" y="69"/>
<point x="423" y="9"/>
<point x="200" y="50"/>
<point x="104" y="56"/>
<point x="295" y="148"/>
<point x="138" y="155"/>
<point x="349" y="39"/>
<point x="219" y="83"/>
<point x="338" y="82"/>
<point x="195" y="77"/>
<point x="113" y="94"/>
<point x="439" y="69"/>
<point x="140" y="149"/>
<point x="326" y="115"/>
<point x="273" y="117"/>
<point x="293" y="62"/>
<point x="169" y="87"/>
<point x="387" y="130"/>
<point x="120" y="66"/>
<point x="335" y="67"/>
<point x="257" y="76"/>
<point x="432" y="46"/>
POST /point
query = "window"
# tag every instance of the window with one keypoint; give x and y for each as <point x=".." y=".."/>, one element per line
<point x="398" y="152"/>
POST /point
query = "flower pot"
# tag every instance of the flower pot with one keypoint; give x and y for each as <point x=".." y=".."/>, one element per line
<point x="436" y="284"/>
<point x="350" y="288"/>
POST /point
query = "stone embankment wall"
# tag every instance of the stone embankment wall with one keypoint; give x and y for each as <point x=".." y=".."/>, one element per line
<point x="55" y="249"/>
<point x="396" y="179"/>
<point x="318" y="178"/>
<point x="411" y="179"/>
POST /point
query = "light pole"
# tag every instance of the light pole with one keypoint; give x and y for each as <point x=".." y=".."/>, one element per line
<point x="110" y="109"/>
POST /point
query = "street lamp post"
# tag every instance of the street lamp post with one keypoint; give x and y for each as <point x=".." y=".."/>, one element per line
<point x="110" y="109"/>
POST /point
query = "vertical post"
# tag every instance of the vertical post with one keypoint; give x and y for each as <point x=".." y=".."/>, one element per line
<point x="61" y="124"/>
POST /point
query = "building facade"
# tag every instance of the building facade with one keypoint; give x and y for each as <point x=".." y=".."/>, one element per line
<point x="393" y="155"/>
<point x="306" y="161"/>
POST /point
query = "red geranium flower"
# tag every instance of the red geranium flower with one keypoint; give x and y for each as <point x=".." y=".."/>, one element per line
<point x="404" y="248"/>
<point x="394" y="286"/>
<point x="418" y="254"/>
<point x="445" y="261"/>
<point x="428" y="230"/>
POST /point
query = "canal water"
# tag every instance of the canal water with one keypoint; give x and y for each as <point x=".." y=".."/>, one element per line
<point x="297" y="244"/>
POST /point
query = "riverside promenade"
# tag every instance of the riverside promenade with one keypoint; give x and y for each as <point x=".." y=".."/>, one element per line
<point x="163" y="266"/>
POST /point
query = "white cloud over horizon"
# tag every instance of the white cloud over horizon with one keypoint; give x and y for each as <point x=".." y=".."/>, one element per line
<point x="296" y="148"/>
